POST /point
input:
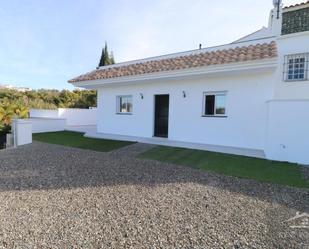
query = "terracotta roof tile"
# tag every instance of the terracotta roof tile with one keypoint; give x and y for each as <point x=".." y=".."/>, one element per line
<point x="296" y="5"/>
<point x="202" y="59"/>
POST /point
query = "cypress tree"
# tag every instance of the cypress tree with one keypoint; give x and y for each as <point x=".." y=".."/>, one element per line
<point x="112" y="59"/>
<point x="101" y="63"/>
<point x="106" y="59"/>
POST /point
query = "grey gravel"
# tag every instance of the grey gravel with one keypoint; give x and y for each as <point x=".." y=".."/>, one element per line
<point x="59" y="197"/>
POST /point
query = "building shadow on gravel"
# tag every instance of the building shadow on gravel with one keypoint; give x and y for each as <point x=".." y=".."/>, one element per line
<point x="46" y="167"/>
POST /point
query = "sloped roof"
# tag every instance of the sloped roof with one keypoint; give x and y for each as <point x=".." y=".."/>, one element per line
<point x="195" y="60"/>
<point x="296" y="5"/>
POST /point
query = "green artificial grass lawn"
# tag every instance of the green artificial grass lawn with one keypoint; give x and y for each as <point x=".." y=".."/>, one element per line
<point x="231" y="165"/>
<point x="76" y="139"/>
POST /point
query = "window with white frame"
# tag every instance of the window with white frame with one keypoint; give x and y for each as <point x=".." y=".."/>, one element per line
<point x="124" y="104"/>
<point x="296" y="67"/>
<point x="214" y="104"/>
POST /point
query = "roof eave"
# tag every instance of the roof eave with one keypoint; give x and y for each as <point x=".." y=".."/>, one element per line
<point x="296" y="7"/>
<point x="261" y="65"/>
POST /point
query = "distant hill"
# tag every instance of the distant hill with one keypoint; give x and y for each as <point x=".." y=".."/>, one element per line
<point x="19" y="89"/>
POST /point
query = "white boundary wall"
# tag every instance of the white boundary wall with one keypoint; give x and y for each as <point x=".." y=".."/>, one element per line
<point x="47" y="124"/>
<point x="72" y="116"/>
<point x="78" y="117"/>
<point x="43" y="113"/>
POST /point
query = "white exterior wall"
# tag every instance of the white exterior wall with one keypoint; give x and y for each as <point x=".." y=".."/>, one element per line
<point x="288" y="134"/>
<point x="291" y="44"/>
<point x="244" y="127"/>
<point x="288" y="111"/>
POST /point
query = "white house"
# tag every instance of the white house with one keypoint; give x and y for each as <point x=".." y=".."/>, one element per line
<point x="250" y="95"/>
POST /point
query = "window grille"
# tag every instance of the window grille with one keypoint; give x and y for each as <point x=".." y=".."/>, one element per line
<point x="296" y="67"/>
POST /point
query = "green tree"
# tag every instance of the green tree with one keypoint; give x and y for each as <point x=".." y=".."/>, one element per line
<point x="106" y="58"/>
<point x="15" y="103"/>
<point x="6" y="114"/>
<point x="112" y="59"/>
<point x="8" y="110"/>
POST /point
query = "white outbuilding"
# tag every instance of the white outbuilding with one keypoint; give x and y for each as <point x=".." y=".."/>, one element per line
<point x="248" y="97"/>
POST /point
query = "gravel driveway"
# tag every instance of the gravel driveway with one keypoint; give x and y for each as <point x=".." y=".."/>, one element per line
<point x="58" y="197"/>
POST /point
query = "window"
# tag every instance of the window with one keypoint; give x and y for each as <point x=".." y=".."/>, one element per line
<point x="296" y="67"/>
<point x="124" y="104"/>
<point x="214" y="104"/>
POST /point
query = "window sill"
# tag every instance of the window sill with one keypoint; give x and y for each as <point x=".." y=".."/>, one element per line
<point x="124" y="113"/>
<point x="213" y="116"/>
<point x="299" y="80"/>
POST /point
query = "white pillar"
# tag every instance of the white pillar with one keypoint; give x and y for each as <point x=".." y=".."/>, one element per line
<point x="22" y="132"/>
<point x="275" y="18"/>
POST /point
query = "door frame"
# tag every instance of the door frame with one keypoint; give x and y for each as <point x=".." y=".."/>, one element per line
<point x="154" y="115"/>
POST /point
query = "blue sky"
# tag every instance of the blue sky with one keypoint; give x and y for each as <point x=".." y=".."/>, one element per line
<point x="43" y="43"/>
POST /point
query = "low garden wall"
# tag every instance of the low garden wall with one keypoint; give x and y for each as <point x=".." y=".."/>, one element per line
<point x="77" y="117"/>
<point x="73" y="116"/>
<point x="43" y="113"/>
<point x="47" y="124"/>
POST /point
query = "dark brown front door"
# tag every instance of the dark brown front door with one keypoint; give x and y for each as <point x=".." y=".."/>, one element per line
<point x="161" y="115"/>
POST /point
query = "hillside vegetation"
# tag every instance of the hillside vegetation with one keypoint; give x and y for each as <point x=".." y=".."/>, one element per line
<point x="15" y="103"/>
